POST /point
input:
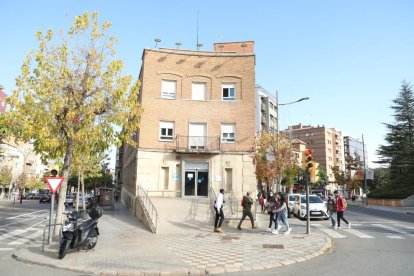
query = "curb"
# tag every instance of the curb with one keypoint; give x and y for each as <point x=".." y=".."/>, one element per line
<point x="325" y="248"/>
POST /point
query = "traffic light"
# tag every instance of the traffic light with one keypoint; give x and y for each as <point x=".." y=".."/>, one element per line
<point x="313" y="172"/>
<point x="308" y="159"/>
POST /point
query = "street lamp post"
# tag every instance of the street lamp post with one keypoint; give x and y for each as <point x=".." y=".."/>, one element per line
<point x="279" y="178"/>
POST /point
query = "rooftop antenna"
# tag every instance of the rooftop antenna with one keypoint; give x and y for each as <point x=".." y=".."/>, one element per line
<point x="178" y="44"/>
<point x="157" y="40"/>
<point x="199" y="45"/>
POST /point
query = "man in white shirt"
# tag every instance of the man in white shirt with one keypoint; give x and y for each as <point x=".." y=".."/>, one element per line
<point x="218" y="207"/>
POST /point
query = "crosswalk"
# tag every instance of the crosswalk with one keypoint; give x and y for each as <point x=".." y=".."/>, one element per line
<point x="9" y="240"/>
<point x="368" y="231"/>
<point x="10" y="237"/>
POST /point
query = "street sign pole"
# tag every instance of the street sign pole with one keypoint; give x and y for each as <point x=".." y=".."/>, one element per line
<point x="53" y="184"/>
<point x="307" y="203"/>
<point x="52" y="203"/>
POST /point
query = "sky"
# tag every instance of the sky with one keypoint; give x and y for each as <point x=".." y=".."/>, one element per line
<point x="349" y="57"/>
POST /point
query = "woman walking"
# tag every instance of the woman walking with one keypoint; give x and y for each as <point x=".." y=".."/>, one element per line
<point x="282" y="215"/>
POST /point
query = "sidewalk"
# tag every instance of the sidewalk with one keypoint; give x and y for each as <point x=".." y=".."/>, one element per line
<point x="125" y="247"/>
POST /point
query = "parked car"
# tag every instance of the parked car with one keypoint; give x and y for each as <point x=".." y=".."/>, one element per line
<point x="317" y="208"/>
<point x="44" y="198"/>
<point x="87" y="201"/>
<point x="32" y="196"/>
<point x="69" y="199"/>
<point x="291" y="201"/>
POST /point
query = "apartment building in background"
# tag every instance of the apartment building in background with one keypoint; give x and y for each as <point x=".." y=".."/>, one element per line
<point x="198" y="125"/>
<point x="327" y="145"/>
<point x="266" y="110"/>
<point x="354" y="149"/>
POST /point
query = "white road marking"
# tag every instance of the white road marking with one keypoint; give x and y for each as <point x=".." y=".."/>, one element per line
<point x="387" y="227"/>
<point x="358" y="233"/>
<point x="25" y="214"/>
<point x="396" y="237"/>
<point x="12" y="234"/>
<point x="330" y="232"/>
<point x="6" y="249"/>
<point x="20" y="231"/>
<point x="26" y="238"/>
<point x="407" y="227"/>
<point x="21" y="220"/>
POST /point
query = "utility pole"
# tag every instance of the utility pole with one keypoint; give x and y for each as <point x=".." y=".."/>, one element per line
<point x="365" y="172"/>
<point x="279" y="173"/>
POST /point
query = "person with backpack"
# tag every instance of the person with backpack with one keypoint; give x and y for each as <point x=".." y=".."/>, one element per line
<point x="281" y="215"/>
<point x="247" y="203"/>
<point x="331" y="206"/>
<point x="218" y="207"/>
<point x="340" y="209"/>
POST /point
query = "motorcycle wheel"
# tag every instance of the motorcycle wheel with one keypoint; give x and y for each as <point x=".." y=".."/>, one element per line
<point x="93" y="239"/>
<point x="64" y="247"/>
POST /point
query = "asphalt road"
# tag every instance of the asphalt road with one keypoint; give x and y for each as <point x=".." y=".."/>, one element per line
<point x="19" y="224"/>
<point x="379" y="243"/>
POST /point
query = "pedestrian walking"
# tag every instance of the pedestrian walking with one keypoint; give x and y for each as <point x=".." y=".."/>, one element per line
<point x="247" y="203"/>
<point x="340" y="209"/>
<point x="261" y="200"/>
<point x="282" y="215"/>
<point x="331" y="206"/>
<point x="218" y="207"/>
<point x="116" y="195"/>
<point x="271" y="207"/>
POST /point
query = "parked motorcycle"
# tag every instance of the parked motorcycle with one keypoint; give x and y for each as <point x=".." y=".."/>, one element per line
<point x="80" y="233"/>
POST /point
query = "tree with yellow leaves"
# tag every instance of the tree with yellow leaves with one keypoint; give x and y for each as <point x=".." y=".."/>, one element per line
<point x="71" y="97"/>
<point x="273" y="155"/>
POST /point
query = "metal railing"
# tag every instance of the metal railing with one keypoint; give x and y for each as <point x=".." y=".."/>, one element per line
<point x="233" y="205"/>
<point x="197" y="143"/>
<point x="44" y="234"/>
<point x="148" y="209"/>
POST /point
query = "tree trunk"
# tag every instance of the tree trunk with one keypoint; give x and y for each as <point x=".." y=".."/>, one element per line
<point x="63" y="188"/>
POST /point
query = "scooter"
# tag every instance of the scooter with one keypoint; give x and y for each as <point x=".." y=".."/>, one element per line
<point x="79" y="233"/>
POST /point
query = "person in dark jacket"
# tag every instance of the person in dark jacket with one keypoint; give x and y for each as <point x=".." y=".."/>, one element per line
<point x="247" y="210"/>
<point x="272" y="205"/>
<point x="331" y="206"/>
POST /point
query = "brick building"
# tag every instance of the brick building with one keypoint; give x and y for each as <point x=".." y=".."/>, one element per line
<point x="327" y="145"/>
<point x="198" y="124"/>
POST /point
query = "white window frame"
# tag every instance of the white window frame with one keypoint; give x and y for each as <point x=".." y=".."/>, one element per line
<point x="231" y="88"/>
<point x="168" y="89"/>
<point x="197" y="94"/>
<point x="166" y="132"/>
<point x="228" y="133"/>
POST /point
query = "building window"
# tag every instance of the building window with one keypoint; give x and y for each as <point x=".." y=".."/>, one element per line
<point x="199" y="91"/>
<point x="168" y="89"/>
<point x="166" y="131"/>
<point x="228" y="133"/>
<point x="228" y="91"/>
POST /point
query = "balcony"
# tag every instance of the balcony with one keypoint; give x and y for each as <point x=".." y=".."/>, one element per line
<point x="197" y="144"/>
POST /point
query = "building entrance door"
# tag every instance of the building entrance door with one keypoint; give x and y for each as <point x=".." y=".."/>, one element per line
<point x="196" y="179"/>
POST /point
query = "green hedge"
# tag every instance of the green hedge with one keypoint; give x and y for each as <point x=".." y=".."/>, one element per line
<point x="388" y="192"/>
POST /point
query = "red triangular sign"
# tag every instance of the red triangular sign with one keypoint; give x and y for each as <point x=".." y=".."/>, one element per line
<point x="54" y="183"/>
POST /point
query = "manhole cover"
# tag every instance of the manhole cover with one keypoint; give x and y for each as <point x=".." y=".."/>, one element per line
<point x="274" y="246"/>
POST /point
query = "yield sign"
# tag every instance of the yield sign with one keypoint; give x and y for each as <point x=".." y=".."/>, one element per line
<point x="54" y="183"/>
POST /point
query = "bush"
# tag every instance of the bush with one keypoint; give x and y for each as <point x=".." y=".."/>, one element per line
<point x="392" y="192"/>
